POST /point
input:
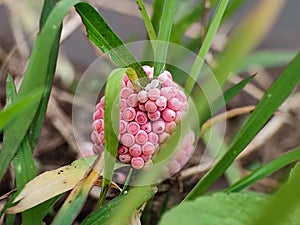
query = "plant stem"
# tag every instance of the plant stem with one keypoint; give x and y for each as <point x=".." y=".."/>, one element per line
<point x="127" y="181"/>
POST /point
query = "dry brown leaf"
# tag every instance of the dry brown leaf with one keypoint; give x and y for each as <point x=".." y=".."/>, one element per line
<point x="50" y="184"/>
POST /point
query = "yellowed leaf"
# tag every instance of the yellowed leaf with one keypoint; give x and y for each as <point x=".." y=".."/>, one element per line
<point x="50" y="184"/>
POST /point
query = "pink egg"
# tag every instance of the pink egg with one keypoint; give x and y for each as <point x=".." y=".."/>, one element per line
<point x="133" y="127"/>
<point x="129" y="114"/>
<point x="148" y="148"/>
<point x="137" y="162"/>
<point x="141" y="118"/>
<point x="150" y="106"/>
<point x="168" y="115"/>
<point x="146" y="127"/>
<point x="135" y="150"/>
<point x="154" y="116"/>
<point x="127" y="139"/>
<point x="141" y="137"/>
<point x="158" y="126"/>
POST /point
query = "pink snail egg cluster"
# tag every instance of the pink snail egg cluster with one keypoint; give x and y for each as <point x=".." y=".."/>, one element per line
<point x="147" y="118"/>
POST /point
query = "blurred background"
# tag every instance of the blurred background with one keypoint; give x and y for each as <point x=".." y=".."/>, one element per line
<point x="57" y="146"/>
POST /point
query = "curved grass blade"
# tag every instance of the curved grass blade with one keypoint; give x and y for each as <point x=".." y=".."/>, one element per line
<point x="107" y="40"/>
<point x="197" y="66"/>
<point x="164" y="35"/>
<point x="33" y="80"/>
<point x="111" y="127"/>
<point x="273" y="98"/>
<point x="230" y="94"/>
<point x="266" y="170"/>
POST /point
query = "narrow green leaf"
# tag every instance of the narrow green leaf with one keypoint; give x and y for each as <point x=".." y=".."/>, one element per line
<point x="35" y="78"/>
<point x="158" y="6"/>
<point x="107" y="40"/>
<point x="193" y="15"/>
<point x="230" y="94"/>
<point x="38" y="120"/>
<point x="266" y="170"/>
<point x="219" y="208"/>
<point x="197" y="66"/>
<point x="23" y="162"/>
<point x="147" y="21"/>
<point x="101" y="215"/>
<point x="111" y="121"/>
<point x="47" y="9"/>
<point x="273" y="98"/>
<point x="9" y="115"/>
<point x="164" y="34"/>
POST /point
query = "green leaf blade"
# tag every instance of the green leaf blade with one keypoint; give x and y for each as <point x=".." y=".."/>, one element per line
<point x="219" y="208"/>
<point x="197" y="66"/>
<point x="273" y="98"/>
<point x="265" y="170"/>
<point x="33" y="81"/>
<point x="111" y="121"/>
<point x="164" y="35"/>
<point x="106" y="39"/>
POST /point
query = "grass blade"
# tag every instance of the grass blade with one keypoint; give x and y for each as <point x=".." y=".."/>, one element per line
<point x="9" y="114"/>
<point x="187" y="21"/>
<point x="266" y="170"/>
<point x="37" y="122"/>
<point x="106" y="39"/>
<point x="111" y="127"/>
<point x="33" y="80"/>
<point x="147" y="21"/>
<point x="273" y="98"/>
<point x="158" y="6"/>
<point x="164" y="35"/>
<point x="23" y="163"/>
<point x="230" y="94"/>
<point x="103" y="214"/>
<point x="197" y="66"/>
